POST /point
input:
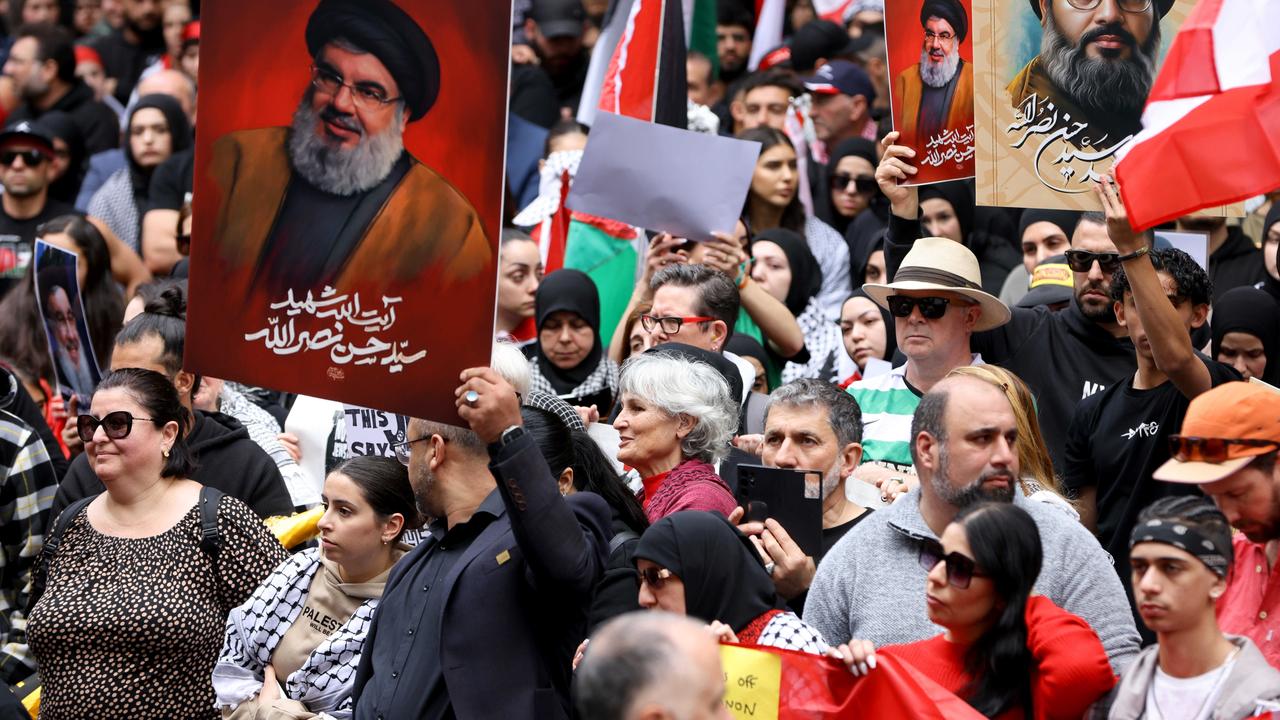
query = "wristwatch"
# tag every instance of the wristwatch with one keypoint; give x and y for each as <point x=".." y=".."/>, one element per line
<point x="507" y="437"/>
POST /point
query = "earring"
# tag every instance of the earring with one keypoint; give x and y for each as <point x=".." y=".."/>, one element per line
<point x="165" y="453"/>
<point x="385" y="541"/>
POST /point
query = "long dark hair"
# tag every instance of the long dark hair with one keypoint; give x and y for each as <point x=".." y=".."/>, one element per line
<point x="563" y="448"/>
<point x="793" y="216"/>
<point x="156" y="394"/>
<point x="1006" y="545"/>
<point x="384" y="482"/>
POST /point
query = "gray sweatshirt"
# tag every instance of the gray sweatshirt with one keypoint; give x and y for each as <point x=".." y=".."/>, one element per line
<point x="871" y="586"/>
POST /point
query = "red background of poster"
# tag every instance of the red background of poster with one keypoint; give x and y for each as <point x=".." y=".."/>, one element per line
<point x="905" y="38"/>
<point x="254" y="69"/>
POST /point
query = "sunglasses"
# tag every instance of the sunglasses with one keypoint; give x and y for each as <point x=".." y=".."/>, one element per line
<point x="931" y="308"/>
<point x="653" y="577"/>
<point x="116" y="425"/>
<point x="1082" y="260"/>
<point x="865" y="184"/>
<point x="1211" y="450"/>
<point x="960" y="569"/>
<point x="30" y="158"/>
<point x="670" y="325"/>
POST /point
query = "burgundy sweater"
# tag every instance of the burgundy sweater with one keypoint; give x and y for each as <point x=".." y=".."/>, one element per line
<point x="691" y="485"/>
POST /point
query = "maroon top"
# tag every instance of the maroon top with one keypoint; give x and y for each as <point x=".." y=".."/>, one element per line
<point x="691" y="485"/>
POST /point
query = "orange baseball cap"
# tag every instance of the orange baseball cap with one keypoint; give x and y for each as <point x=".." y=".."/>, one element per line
<point x="1232" y="411"/>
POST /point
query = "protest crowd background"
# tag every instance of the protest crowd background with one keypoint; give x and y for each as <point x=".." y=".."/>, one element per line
<point x="768" y="428"/>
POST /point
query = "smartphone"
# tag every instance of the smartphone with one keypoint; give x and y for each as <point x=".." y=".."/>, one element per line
<point x="791" y="497"/>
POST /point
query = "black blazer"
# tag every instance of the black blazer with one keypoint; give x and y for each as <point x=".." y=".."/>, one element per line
<point x="517" y="600"/>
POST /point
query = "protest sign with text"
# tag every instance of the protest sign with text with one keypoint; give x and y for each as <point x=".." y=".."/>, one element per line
<point x="57" y="288"/>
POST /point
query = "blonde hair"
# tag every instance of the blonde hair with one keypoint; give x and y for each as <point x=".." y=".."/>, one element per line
<point x="1033" y="454"/>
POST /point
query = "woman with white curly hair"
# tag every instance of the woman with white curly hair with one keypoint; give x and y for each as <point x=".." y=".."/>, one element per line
<point x="676" y="420"/>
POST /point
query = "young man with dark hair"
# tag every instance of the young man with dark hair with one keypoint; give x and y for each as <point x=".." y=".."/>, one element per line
<point x="734" y="28"/>
<point x="1119" y="436"/>
<point x="766" y="96"/>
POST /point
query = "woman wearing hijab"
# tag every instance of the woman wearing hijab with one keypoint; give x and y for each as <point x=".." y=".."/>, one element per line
<point x="947" y="210"/>
<point x="697" y="564"/>
<point x="157" y="129"/>
<point x="868" y="332"/>
<point x="787" y="270"/>
<point x="568" y="360"/>
<point x="749" y="349"/>
<point x="851" y="177"/>
<point x="1246" y="334"/>
<point x="1270" y="247"/>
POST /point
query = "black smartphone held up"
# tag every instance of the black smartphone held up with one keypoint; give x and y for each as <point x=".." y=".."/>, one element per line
<point x="792" y="497"/>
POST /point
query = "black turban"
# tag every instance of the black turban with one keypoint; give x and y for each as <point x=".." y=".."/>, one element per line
<point x="951" y="11"/>
<point x="382" y="28"/>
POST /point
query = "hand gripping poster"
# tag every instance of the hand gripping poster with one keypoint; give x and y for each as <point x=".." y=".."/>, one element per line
<point x="1061" y="85"/>
<point x="931" y="63"/>
<point x="349" y="182"/>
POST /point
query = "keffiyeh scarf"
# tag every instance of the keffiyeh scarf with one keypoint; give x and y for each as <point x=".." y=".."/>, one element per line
<point x="548" y="201"/>
<point x="822" y="339"/>
<point x="254" y="629"/>
<point x="604" y="376"/>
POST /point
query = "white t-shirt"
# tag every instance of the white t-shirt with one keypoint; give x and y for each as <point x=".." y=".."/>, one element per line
<point x="1193" y="698"/>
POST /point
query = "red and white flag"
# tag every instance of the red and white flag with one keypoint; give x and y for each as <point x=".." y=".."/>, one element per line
<point x="1212" y="123"/>
<point x="770" y="17"/>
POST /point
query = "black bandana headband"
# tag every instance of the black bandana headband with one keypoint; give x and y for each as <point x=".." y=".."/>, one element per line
<point x="1183" y="538"/>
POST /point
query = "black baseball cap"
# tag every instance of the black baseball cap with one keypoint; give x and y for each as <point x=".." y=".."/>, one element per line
<point x="559" y="18"/>
<point x="30" y="132"/>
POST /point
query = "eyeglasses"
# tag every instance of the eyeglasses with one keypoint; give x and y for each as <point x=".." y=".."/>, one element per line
<point x="1129" y="6"/>
<point x="30" y="158"/>
<point x="945" y="36"/>
<point x="1211" y="450"/>
<point x="670" y="325"/>
<point x="402" y="449"/>
<point x="960" y="569"/>
<point x="116" y="425"/>
<point x="366" y="97"/>
<point x="653" y="577"/>
<point x="865" y="184"/>
<point x="931" y="308"/>
<point x="1082" y="260"/>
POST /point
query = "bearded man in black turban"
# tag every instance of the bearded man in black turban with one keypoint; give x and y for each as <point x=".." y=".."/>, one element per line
<point x="335" y="200"/>
<point x="937" y="93"/>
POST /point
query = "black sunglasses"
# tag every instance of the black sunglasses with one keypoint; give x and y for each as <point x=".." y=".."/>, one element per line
<point x="931" y="308"/>
<point x="1210" y="450"/>
<point x="653" y="577"/>
<point x="116" y="425"/>
<point x="1082" y="260"/>
<point x="861" y="183"/>
<point x="960" y="569"/>
<point x="30" y="158"/>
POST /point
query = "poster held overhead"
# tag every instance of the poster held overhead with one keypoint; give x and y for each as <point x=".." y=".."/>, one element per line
<point x="931" y="63"/>
<point x="348" y="202"/>
<point x="57" y="290"/>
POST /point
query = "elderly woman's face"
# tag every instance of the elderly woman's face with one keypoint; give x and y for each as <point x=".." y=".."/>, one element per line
<point x="647" y="435"/>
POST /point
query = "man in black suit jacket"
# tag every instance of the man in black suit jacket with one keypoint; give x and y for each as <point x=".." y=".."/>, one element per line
<point x="482" y="618"/>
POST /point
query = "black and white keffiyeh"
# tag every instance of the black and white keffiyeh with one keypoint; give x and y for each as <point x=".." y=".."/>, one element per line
<point x="254" y="629"/>
<point x="821" y="338"/>
<point x="604" y="376"/>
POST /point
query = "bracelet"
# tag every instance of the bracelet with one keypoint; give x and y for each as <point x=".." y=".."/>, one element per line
<point x="744" y="272"/>
<point x="1135" y="254"/>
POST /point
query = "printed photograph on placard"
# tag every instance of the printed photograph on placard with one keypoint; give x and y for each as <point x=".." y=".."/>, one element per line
<point x="931" y="63"/>
<point x="57" y="288"/>
<point x="1063" y="93"/>
<point x="348" y="194"/>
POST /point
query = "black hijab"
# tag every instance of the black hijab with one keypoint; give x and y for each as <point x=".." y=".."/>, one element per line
<point x="858" y="265"/>
<point x="179" y="131"/>
<point x="806" y="275"/>
<point x="1270" y="284"/>
<point x="890" y="332"/>
<point x="572" y="291"/>
<point x="723" y="577"/>
<point x="1251" y="311"/>
<point x="960" y="195"/>
<point x="62" y="126"/>
<point x="855" y="147"/>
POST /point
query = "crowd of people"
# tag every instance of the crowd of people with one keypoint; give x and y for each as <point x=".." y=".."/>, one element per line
<point x="1040" y="447"/>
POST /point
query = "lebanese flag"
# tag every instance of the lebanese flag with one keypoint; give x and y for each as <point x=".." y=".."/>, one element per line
<point x="1211" y="132"/>
<point x="646" y="74"/>
<point x="832" y="10"/>
<point x="770" y="16"/>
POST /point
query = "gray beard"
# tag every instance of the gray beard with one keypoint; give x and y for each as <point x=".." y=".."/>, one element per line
<point x="936" y="76"/>
<point x="77" y="374"/>
<point x="1099" y="86"/>
<point x="336" y="170"/>
<point x="961" y="498"/>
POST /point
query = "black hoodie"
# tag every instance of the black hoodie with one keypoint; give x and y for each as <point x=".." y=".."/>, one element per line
<point x="1238" y="263"/>
<point x="98" y="124"/>
<point x="226" y="459"/>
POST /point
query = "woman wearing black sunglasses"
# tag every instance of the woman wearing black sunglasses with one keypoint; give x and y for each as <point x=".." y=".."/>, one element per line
<point x="1008" y="654"/>
<point x="133" y="609"/>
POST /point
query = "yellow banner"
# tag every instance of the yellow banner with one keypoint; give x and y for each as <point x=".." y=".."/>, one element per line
<point x="752" y="682"/>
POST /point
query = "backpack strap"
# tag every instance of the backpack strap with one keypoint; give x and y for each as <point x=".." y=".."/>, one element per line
<point x="210" y="537"/>
<point x="51" y="542"/>
<point x="620" y="539"/>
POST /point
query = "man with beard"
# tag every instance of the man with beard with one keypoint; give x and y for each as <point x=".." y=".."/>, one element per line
<point x="455" y="635"/>
<point x="964" y="445"/>
<point x="1228" y="446"/>
<point x="1096" y="65"/>
<point x="1234" y="261"/>
<point x="555" y="29"/>
<point x="809" y="425"/>
<point x="734" y="26"/>
<point x="26" y="159"/>
<point x="74" y="367"/>
<point x="937" y="93"/>
<point x="42" y="63"/>
<point x="134" y="46"/>
<point x="335" y="200"/>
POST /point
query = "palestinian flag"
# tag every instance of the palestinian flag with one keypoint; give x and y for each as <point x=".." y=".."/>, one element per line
<point x="609" y="253"/>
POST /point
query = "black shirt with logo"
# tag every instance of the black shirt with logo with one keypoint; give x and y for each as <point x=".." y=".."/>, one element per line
<point x="18" y="239"/>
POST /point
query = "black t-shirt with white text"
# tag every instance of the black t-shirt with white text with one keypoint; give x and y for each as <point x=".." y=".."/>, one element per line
<point x="18" y="239"/>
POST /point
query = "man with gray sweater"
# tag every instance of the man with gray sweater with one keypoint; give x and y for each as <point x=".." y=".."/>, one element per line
<point x="964" y="435"/>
